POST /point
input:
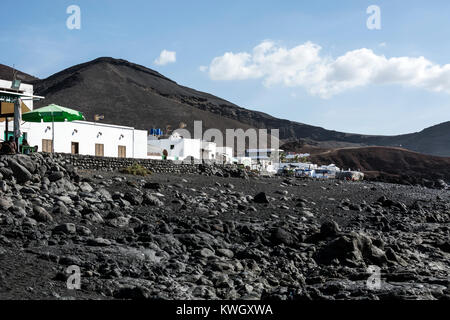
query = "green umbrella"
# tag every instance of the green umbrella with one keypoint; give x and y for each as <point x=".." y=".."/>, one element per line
<point x="52" y="113"/>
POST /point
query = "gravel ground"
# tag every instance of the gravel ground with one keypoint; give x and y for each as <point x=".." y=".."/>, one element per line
<point x="196" y="236"/>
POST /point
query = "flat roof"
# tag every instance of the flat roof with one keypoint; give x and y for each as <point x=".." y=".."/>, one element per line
<point x="18" y="94"/>
<point x="104" y="125"/>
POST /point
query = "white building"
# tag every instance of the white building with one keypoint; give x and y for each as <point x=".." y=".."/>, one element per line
<point x="264" y="160"/>
<point x="245" y="161"/>
<point x="264" y="165"/>
<point x="178" y="148"/>
<point x="175" y="147"/>
<point x="154" y="152"/>
<point x="7" y="96"/>
<point x="27" y="89"/>
<point x="89" y="138"/>
<point x="331" y="167"/>
<point x="224" y="154"/>
<point x="262" y="154"/>
<point x="208" y="150"/>
<point x="299" y="165"/>
<point x="77" y="137"/>
<point x="297" y="156"/>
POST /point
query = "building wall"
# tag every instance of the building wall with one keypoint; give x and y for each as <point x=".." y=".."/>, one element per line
<point x="87" y="135"/>
<point x="28" y="88"/>
<point x="191" y="148"/>
<point x="224" y="153"/>
<point x="209" y="150"/>
<point x="246" y="161"/>
<point x="182" y="148"/>
<point x="25" y="127"/>
<point x="140" y="144"/>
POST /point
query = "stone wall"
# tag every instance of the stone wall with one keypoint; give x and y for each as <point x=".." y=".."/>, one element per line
<point x="157" y="166"/>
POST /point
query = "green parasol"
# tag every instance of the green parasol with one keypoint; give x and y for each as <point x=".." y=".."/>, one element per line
<point x="52" y="113"/>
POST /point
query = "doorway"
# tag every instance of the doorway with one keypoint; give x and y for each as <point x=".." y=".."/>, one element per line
<point x="122" y="152"/>
<point x="47" y="145"/>
<point x="99" y="150"/>
<point x="75" y="148"/>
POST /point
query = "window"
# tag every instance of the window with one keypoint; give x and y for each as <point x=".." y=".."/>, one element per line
<point x="172" y="147"/>
<point x="122" y="151"/>
<point x="75" y="148"/>
<point x="46" y="145"/>
<point x="99" y="150"/>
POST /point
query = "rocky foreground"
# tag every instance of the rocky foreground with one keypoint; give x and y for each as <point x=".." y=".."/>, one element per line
<point x="204" y="236"/>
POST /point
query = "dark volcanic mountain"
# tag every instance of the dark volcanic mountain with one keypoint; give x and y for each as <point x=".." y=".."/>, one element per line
<point x="434" y="140"/>
<point x="6" y="73"/>
<point x="130" y="94"/>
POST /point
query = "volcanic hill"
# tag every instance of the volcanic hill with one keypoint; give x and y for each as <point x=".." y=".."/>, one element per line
<point x="133" y="95"/>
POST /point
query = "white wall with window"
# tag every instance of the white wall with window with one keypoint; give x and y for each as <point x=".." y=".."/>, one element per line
<point x="177" y="148"/>
<point x="79" y="137"/>
<point x="224" y="154"/>
<point x="208" y="150"/>
<point x="89" y="138"/>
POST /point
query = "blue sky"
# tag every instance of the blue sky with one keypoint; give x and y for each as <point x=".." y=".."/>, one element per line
<point x="380" y="95"/>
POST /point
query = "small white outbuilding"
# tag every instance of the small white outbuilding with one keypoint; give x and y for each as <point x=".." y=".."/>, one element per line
<point x="224" y="154"/>
<point x="176" y="147"/>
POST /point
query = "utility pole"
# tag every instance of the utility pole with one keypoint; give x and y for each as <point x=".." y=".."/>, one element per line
<point x="17" y="109"/>
<point x="17" y="120"/>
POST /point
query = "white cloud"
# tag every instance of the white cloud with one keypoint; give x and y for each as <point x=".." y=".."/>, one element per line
<point x="304" y="66"/>
<point x="203" y="68"/>
<point x="166" y="57"/>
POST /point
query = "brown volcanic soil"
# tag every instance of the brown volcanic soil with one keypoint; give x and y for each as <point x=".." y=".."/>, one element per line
<point x="387" y="164"/>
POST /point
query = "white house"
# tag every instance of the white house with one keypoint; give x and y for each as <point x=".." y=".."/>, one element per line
<point x="89" y="138"/>
<point x="264" y="165"/>
<point x="294" y="156"/>
<point x="176" y="147"/>
<point x="298" y="165"/>
<point x="245" y="161"/>
<point x="154" y="152"/>
<point x="208" y="150"/>
<point x="331" y="167"/>
<point x="262" y="154"/>
<point x="224" y="154"/>
<point x="77" y="137"/>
